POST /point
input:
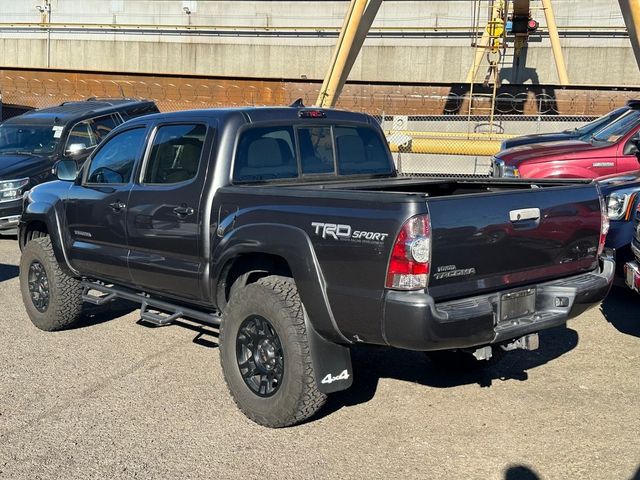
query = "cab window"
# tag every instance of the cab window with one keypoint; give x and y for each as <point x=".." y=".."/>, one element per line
<point x="316" y="150"/>
<point x="265" y="153"/>
<point x="113" y="163"/>
<point x="175" y="154"/>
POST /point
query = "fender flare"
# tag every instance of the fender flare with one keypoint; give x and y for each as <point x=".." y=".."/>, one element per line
<point x="330" y="356"/>
<point x="294" y="245"/>
<point x="52" y="215"/>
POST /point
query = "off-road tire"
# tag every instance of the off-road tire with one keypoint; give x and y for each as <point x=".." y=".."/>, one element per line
<point x="65" y="292"/>
<point x="297" y="398"/>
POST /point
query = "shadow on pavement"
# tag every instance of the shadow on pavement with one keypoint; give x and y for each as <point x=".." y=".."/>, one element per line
<point x="621" y="308"/>
<point x="7" y="272"/>
<point x="370" y="364"/>
<point x="97" y="314"/>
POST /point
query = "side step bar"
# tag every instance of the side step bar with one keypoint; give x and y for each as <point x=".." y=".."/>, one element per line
<point x="152" y="311"/>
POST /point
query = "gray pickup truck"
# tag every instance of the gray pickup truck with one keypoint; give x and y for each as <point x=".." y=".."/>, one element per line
<point x="290" y="230"/>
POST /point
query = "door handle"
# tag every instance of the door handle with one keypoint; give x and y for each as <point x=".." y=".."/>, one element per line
<point x="524" y="214"/>
<point x="117" y="206"/>
<point x="183" y="211"/>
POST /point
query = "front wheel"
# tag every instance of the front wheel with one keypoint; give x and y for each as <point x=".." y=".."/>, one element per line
<point x="52" y="298"/>
<point x="265" y="354"/>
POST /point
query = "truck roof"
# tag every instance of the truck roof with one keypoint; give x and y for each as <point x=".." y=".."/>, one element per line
<point x="263" y="114"/>
<point x="69" y="111"/>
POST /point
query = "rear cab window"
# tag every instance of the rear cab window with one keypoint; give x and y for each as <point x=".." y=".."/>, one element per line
<point x="290" y="153"/>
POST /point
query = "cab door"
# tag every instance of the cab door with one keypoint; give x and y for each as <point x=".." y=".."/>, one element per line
<point x="97" y="206"/>
<point x="164" y="221"/>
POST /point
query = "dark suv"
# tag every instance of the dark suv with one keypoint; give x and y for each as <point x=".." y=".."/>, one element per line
<point x="30" y="144"/>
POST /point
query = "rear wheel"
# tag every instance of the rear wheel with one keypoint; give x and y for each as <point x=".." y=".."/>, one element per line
<point x="52" y="298"/>
<point x="265" y="355"/>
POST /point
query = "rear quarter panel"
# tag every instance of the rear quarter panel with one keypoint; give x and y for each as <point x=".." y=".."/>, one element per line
<point x="341" y="228"/>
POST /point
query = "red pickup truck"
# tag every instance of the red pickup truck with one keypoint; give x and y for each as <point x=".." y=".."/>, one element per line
<point x="608" y="151"/>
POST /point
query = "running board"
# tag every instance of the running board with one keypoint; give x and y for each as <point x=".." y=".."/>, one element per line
<point x="152" y="311"/>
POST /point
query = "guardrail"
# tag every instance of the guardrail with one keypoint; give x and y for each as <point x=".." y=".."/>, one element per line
<point x="399" y="31"/>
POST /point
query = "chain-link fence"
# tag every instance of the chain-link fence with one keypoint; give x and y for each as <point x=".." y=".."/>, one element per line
<point x="431" y="129"/>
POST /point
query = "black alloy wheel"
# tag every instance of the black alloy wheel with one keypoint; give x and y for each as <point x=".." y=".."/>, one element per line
<point x="38" y="286"/>
<point x="259" y="355"/>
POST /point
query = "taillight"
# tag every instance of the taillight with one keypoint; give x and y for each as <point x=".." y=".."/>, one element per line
<point x="604" y="225"/>
<point x="410" y="256"/>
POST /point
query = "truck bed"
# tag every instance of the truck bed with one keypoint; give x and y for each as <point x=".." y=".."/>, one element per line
<point x="477" y="245"/>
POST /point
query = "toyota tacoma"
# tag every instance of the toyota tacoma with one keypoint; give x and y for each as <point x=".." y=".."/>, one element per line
<point x="290" y="230"/>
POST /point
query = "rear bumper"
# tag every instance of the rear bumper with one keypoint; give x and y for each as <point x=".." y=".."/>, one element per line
<point x="412" y="320"/>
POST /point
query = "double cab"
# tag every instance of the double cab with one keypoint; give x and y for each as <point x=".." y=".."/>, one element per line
<point x="290" y="230"/>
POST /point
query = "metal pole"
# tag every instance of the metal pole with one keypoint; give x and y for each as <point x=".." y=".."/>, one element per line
<point x="555" y="42"/>
<point x="361" y="34"/>
<point x="325" y="82"/>
<point x="631" y="14"/>
<point x="330" y="85"/>
<point x="49" y="37"/>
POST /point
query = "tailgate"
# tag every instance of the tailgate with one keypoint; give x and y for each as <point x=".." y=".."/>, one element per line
<point x="493" y="241"/>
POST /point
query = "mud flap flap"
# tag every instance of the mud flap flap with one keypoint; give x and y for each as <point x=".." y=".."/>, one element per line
<point x="331" y="362"/>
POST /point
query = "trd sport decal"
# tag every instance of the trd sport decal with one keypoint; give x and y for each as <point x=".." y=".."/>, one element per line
<point x="345" y="232"/>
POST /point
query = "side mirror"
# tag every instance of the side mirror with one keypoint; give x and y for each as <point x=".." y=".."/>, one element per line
<point x="632" y="147"/>
<point x="66" y="170"/>
<point x="76" y="149"/>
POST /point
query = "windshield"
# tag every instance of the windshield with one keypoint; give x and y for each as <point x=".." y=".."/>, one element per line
<point x="600" y="121"/>
<point x="619" y="128"/>
<point x="34" y="139"/>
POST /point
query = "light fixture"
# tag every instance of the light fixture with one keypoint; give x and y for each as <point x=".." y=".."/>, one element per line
<point x="186" y="10"/>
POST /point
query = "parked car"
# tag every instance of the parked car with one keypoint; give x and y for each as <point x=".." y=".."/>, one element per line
<point x="608" y="151"/>
<point x="290" y="231"/>
<point x="571" y="134"/>
<point x="31" y="143"/>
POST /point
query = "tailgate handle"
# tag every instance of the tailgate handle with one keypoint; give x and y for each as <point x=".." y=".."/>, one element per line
<point x="524" y="214"/>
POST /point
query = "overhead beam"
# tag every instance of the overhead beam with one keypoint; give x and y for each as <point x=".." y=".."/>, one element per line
<point x="631" y="14"/>
<point x="357" y="23"/>
<point x="555" y="42"/>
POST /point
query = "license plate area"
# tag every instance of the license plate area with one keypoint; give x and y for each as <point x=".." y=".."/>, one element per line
<point x="520" y="303"/>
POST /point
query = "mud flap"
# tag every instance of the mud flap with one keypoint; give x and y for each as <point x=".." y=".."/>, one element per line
<point x="331" y="362"/>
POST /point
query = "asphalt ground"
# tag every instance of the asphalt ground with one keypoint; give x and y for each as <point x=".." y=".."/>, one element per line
<point x="113" y="399"/>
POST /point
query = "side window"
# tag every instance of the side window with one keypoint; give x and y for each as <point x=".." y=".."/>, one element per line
<point x="102" y="126"/>
<point x="265" y="153"/>
<point x="81" y="136"/>
<point x="175" y="154"/>
<point x="114" y="162"/>
<point x="316" y="150"/>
